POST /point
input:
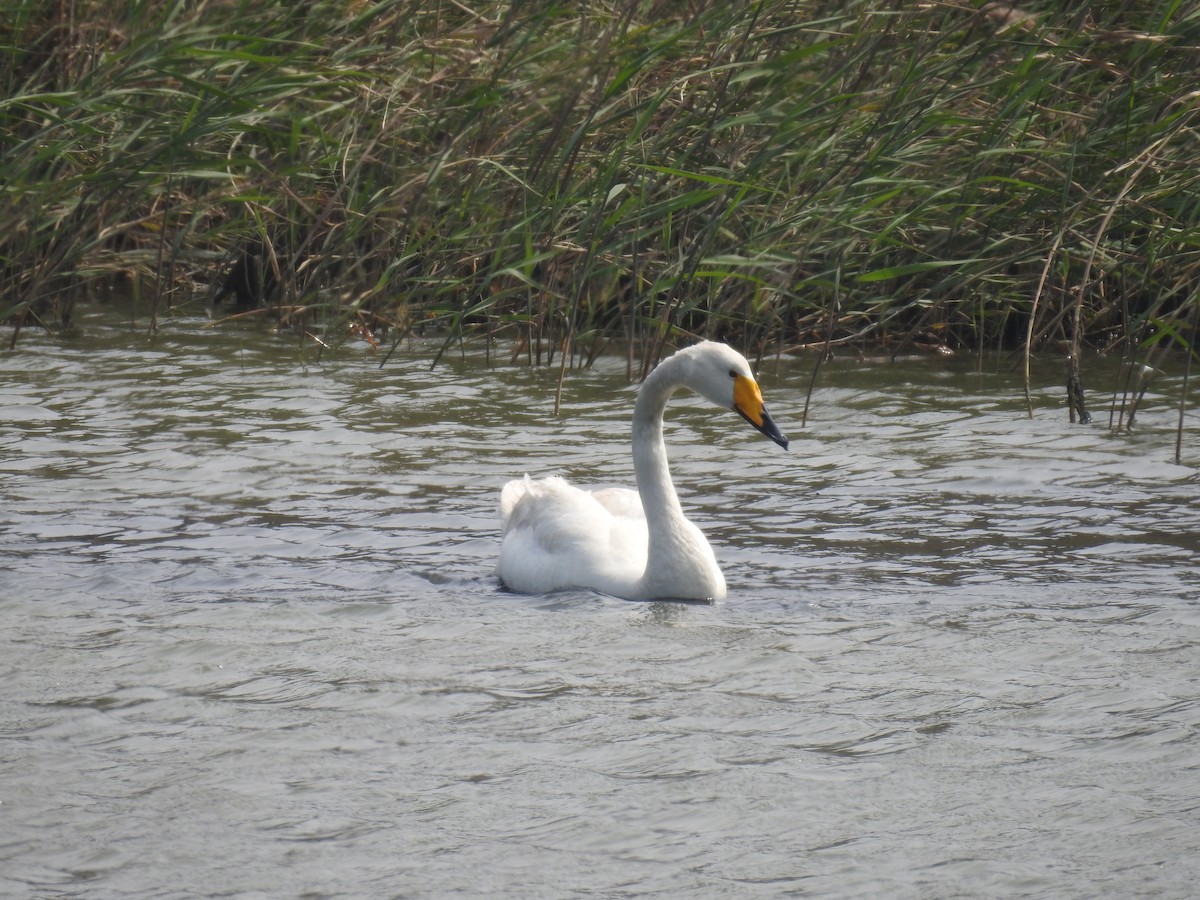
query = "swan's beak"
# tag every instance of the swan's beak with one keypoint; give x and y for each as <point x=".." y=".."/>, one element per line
<point x="748" y="403"/>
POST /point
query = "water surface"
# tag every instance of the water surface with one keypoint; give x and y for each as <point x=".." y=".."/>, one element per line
<point x="252" y="644"/>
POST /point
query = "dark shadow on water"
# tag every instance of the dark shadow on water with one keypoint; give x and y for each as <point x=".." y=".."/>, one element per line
<point x="649" y="611"/>
<point x="669" y="612"/>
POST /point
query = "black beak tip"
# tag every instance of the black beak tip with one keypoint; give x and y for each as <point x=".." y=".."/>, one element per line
<point x="776" y="435"/>
<point x="771" y="430"/>
<point x="768" y="427"/>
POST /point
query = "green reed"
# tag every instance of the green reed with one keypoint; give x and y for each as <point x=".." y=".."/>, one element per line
<point x="569" y="177"/>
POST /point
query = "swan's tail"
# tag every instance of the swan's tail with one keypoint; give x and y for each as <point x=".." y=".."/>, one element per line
<point x="510" y="495"/>
<point x="519" y="489"/>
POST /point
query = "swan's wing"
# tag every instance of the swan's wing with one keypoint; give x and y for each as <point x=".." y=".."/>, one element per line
<point x="556" y="536"/>
<point x="621" y="502"/>
<point x="628" y="537"/>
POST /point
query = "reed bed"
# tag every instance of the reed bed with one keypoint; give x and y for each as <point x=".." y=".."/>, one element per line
<point x="566" y="177"/>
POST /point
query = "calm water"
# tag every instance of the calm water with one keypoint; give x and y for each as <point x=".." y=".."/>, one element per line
<point x="251" y="644"/>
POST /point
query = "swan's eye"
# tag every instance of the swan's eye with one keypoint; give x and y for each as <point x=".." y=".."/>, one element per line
<point x="732" y="373"/>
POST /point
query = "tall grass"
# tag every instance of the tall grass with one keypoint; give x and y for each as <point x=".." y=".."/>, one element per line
<point x="783" y="174"/>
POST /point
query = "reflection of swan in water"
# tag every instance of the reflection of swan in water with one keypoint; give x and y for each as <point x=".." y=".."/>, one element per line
<point x="632" y="544"/>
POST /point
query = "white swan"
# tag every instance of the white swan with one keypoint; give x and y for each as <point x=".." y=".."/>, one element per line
<point x="632" y="544"/>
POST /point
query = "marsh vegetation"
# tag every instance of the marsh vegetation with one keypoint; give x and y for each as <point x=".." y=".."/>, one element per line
<point x="935" y="175"/>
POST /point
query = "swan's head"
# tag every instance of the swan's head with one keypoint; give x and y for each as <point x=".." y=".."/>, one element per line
<point x="722" y="375"/>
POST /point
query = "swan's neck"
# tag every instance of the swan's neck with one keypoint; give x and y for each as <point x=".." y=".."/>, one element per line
<point x="659" y="499"/>
<point x="679" y="561"/>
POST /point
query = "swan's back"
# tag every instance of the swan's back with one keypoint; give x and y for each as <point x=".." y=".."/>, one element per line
<point x="556" y="536"/>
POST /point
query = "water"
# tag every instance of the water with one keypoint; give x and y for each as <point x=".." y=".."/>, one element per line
<point x="252" y="644"/>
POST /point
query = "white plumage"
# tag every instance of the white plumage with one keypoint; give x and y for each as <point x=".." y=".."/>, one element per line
<point x="633" y="544"/>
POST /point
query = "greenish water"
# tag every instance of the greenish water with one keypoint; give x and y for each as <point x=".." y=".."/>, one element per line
<point x="253" y="646"/>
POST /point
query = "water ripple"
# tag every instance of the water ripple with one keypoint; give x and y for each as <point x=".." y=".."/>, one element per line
<point x="250" y="617"/>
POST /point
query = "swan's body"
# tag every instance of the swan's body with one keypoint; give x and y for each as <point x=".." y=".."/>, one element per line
<point x="632" y="544"/>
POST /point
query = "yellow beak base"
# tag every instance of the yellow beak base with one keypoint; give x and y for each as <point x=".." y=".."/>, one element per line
<point x="748" y="403"/>
<point x="747" y="400"/>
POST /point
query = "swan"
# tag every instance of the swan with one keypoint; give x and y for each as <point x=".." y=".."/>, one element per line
<point x="637" y="545"/>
